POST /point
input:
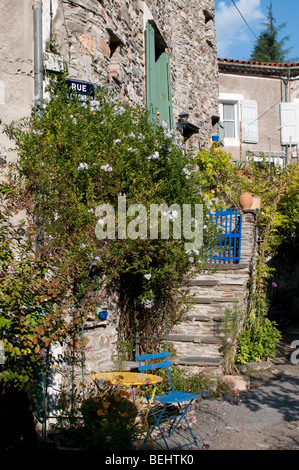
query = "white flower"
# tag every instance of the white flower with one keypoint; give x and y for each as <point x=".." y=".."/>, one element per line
<point x="119" y="111"/>
<point x="164" y="124"/>
<point x="187" y="172"/>
<point x="106" y="167"/>
<point x="148" y="276"/>
<point x="94" y="104"/>
<point x="131" y="135"/>
<point x="83" y="166"/>
<point x="154" y="156"/>
<point x="90" y="211"/>
<point x="116" y="141"/>
<point x="83" y="246"/>
<point x="148" y="303"/>
<point x="169" y="134"/>
<point x="172" y="215"/>
<point x="191" y="259"/>
<point x="101" y="221"/>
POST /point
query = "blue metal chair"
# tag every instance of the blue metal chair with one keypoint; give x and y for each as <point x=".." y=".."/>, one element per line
<point x="169" y="401"/>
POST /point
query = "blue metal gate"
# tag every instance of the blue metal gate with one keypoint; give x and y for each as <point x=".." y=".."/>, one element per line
<point x="226" y="245"/>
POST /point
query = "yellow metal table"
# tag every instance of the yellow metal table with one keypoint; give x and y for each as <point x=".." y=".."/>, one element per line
<point x="133" y="379"/>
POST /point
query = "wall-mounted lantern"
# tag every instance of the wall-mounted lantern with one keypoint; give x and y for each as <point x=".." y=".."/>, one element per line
<point x="185" y="127"/>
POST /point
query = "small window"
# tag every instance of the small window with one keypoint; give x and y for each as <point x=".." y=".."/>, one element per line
<point x="230" y="114"/>
<point x="229" y="120"/>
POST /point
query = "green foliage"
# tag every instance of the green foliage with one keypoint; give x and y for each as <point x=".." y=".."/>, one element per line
<point x="268" y="48"/>
<point x="76" y="156"/>
<point x="30" y="314"/>
<point x="105" y="420"/>
<point x="231" y="328"/>
<point x="216" y="174"/>
<point x="278" y="222"/>
<point x="258" y="341"/>
<point x="205" y="382"/>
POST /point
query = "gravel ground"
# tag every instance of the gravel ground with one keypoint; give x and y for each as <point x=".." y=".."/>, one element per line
<point x="264" y="418"/>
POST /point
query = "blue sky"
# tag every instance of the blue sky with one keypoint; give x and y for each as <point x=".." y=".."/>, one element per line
<point x="236" y="40"/>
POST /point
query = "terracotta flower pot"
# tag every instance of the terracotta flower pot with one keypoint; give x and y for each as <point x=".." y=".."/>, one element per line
<point x="245" y="201"/>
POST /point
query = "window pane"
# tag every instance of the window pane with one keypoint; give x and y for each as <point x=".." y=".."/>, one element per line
<point x="229" y="129"/>
<point x="229" y="112"/>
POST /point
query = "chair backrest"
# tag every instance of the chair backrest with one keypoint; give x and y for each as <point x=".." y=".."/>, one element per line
<point x="150" y="362"/>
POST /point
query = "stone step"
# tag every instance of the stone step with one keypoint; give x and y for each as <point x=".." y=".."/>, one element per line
<point x="226" y="267"/>
<point x="198" y="361"/>
<point x="204" y="339"/>
<point x="197" y="317"/>
<point x="202" y="283"/>
<point x="213" y="300"/>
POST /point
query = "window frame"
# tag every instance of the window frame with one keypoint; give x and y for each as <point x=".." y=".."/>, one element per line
<point x="236" y="100"/>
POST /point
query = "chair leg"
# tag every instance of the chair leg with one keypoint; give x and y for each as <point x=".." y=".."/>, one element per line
<point x="181" y="415"/>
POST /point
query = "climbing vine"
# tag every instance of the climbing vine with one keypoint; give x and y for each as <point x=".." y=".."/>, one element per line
<point x="278" y="221"/>
<point x="76" y="156"/>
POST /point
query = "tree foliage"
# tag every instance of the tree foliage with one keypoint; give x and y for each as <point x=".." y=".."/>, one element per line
<point x="268" y="47"/>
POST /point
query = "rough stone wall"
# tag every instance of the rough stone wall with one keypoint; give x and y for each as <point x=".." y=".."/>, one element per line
<point x="87" y="36"/>
<point x="104" y="43"/>
<point x="198" y="339"/>
<point x="189" y="30"/>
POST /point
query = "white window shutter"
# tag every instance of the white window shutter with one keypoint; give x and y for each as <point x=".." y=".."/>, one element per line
<point x="289" y="121"/>
<point x="249" y="122"/>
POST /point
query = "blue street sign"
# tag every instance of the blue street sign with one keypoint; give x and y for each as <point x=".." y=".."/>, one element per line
<point x="83" y="90"/>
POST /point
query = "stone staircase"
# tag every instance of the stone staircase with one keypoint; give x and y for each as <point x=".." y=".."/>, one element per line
<point x="198" y="339"/>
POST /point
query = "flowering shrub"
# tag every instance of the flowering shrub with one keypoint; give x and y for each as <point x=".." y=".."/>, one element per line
<point x="258" y="341"/>
<point x="222" y="179"/>
<point x="232" y="319"/>
<point x="31" y="315"/>
<point x="105" y="420"/>
<point x="77" y="156"/>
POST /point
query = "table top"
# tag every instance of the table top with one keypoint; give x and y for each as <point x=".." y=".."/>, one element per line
<point x="127" y="378"/>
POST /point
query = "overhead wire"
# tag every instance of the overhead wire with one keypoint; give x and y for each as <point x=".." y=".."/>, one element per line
<point x="244" y="19"/>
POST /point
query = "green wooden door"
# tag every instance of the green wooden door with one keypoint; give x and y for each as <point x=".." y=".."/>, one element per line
<point x="158" y="89"/>
<point x="150" y="72"/>
<point x="163" y="89"/>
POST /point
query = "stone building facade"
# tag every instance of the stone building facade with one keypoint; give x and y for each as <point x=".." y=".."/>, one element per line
<point x="259" y="110"/>
<point x="160" y="54"/>
<point x="105" y="42"/>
